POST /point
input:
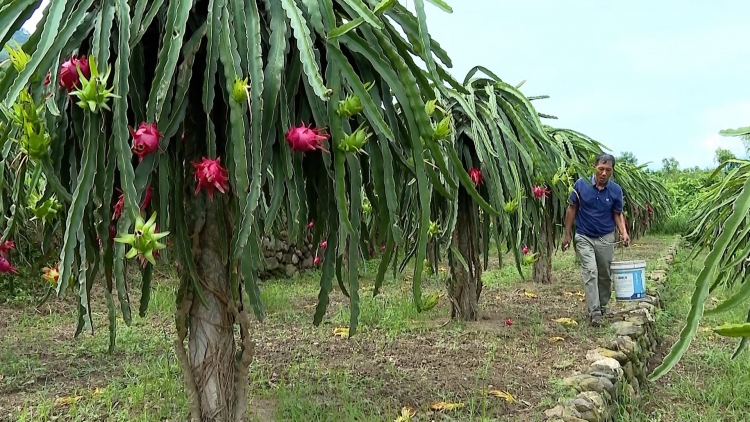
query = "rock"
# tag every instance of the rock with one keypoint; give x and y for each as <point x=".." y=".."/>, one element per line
<point x="571" y="415"/>
<point x="657" y="275"/>
<point x="555" y="412"/>
<point x="279" y="256"/>
<point x="586" y="382"/>
<point x="271" y="263"/>
<point x="601" y="352"/>
<point x="290" y="270"/>
<point x="295" y="259"/>
<point x="625" y="328"/>
<point x="608" y="368"/>
<point x="308" y="262"/>
<point x="267" y="243"/>
<point x="582" y="405"/>
<point x="637" y="320"/>
<point x="642" y="312"/>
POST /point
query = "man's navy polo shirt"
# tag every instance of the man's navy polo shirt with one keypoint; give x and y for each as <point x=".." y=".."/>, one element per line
<point x="595" y="207"/>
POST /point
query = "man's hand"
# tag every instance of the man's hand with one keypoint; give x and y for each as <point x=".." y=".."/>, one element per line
<point x="625" y="239"/>
<point x="566" y="242"/>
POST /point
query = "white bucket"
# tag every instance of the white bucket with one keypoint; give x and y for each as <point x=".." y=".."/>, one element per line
<point x="630" y="279"/>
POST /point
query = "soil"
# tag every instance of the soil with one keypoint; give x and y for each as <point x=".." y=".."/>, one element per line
<point x="431" y="360"/>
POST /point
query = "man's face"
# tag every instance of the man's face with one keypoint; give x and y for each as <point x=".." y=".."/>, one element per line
<point x="603" y="171"/>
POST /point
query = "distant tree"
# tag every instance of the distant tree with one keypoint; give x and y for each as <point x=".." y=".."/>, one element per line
<point x="627" y="157"/>
<point x="669" y="165"/>
<point x="723" y="154"/>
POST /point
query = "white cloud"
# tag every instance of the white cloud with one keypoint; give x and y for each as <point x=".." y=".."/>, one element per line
<point x="31" y="23"/>
<point x="703" y="151"/>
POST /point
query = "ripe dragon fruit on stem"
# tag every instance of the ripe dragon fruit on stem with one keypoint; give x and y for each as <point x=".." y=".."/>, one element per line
<point x="69" y="78"/>
<point x="540" y="192"/>
<point x="305" y="139"/>
<point x="7" y="267"/>
<point x="5" y="247"/>
<point x="476" y="176"/>
<point x="145" y="140"/>
<point x="121" y="203"/>
<point x="211" y="175"/>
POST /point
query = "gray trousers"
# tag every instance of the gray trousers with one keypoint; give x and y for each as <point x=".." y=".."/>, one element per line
<point x="596" y="256"/>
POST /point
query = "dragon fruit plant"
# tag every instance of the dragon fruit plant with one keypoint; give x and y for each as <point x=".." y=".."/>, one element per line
<point x="204" y="124"/>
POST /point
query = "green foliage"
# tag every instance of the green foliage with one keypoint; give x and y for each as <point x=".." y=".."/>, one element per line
<point x="720" y="224"/>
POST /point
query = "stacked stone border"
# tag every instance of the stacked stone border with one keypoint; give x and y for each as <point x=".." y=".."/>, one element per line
<point x="617" y="370"/>
<point x="283" y="258"/>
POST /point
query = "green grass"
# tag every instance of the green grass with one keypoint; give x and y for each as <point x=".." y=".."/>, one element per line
<point x="301" y="373"/>
<point x="707" y="385"/>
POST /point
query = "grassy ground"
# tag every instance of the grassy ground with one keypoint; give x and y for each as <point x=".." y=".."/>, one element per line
<point x="706" y="385"/>
<point x="305" y="373"/>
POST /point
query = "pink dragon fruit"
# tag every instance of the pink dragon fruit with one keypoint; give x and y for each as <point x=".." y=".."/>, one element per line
<point x="525" y="250"/>
<point x="316" y="261"/>
<point x="145" y="140"/>
<point x="323" y="244"/>
<point x="540" y="192"/>
<point x="6" y="267"/>
<point x="304" y="138"/>
<point x="210" y="174"/>
<point x="5" y="247"/>
<point x="69" y="78"/>
<point x="476" y="176"/>
<point x="121" y="203"/>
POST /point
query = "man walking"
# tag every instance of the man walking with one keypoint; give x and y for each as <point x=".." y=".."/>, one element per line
<point x="596" y="207"/>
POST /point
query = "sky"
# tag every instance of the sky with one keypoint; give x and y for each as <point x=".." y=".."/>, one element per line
<point x="656" y="78"/>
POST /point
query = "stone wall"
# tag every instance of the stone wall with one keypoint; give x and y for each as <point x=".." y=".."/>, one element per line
<point x="285" y="259"/>
<point x="618" y="369"/>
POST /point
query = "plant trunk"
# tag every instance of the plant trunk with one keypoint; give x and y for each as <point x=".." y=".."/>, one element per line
<point x="466" y="285"/>
<point x="214" y="367"/>
<point x="542" y="272"/>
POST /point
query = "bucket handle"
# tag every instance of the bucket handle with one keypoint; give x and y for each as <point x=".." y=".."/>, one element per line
<point x="622" y="251"/>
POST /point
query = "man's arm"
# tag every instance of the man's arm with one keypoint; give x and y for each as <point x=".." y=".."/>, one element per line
<point x="570" y="215"/>
<point x="620" y="222"/>
<point x="620" y="219"/>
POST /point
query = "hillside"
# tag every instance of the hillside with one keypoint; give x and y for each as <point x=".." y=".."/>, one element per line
<point x="20" y="37"/>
